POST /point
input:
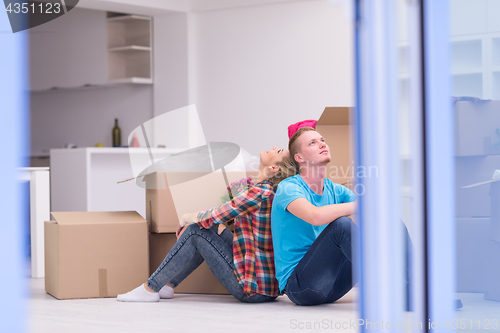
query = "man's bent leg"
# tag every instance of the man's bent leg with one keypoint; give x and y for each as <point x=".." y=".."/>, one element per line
<point x="324" y="274"/>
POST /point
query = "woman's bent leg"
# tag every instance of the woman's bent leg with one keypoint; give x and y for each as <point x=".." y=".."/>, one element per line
<point x="216" y="250"/>
<point x="197" y="260"/>
<point x="324" y="274"/>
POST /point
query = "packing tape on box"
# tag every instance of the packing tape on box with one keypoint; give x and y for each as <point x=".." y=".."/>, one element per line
<point x="103" y="282"/>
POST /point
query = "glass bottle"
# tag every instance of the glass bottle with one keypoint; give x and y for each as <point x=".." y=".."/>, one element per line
<point x="117" y="135"/>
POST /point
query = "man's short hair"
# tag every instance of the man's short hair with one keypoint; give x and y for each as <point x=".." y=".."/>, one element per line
<point x="293" y="145"/>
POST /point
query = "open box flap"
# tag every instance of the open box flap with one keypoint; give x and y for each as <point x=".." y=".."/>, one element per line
<point x="97" y="217"/>
<point x="201" y="161"/>
<point x="495" y="178"/>
<point x="334" y="116"/>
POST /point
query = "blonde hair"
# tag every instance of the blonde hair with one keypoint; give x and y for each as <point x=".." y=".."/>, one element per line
<point x="288" y="167"/>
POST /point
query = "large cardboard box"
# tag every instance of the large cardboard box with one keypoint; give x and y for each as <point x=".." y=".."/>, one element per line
<point x="190" y="192"/>
<point x="477" y="128"/>
<point x="95" y="254"/>
<point x="335" y="125"/>
<point x="201" y="281"/>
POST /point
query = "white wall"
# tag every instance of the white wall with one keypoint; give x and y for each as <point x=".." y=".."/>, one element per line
<point x="171" y="76"/>
<point x="86" y="117"/>
<point x="255" y="70"/>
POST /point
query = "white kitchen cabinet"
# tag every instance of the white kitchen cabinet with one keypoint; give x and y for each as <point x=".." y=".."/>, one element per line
<point x="69" y="52"/>
<point x="86" y="179"/>
<point x="87" y="48"/>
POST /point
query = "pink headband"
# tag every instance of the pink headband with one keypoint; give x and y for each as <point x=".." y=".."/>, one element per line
<point x="304" y="123"/>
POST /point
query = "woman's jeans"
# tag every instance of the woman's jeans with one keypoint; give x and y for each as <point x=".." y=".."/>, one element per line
<point x="195" y="246"/>
<point x="324" y="274"/>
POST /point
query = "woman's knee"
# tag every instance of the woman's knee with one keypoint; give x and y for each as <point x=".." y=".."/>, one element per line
<point x="195" y="229"/>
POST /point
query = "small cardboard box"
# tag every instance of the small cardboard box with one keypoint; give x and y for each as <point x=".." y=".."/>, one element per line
<point x="201" y="281"/>
<point x="477" y="128"/>
<point x="192" y="192"/>
<point x="336" y="127"/>
<point x="95" y="254"/>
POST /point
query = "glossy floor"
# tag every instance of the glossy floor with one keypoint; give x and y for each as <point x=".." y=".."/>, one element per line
<point x="219" y="313"/>
<point x="184" y="313"/>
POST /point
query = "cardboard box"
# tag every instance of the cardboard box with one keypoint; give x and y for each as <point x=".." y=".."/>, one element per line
<point x="95" y="254"/>
<point x="193" y="191"/>
<point x="201" y="281"/>
<point x="336" y="127"/>
<point x="477" y="128"/>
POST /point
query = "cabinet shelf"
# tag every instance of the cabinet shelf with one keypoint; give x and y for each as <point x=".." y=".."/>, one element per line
<point x="109" y="84"/>
<point x="467" y="71"/>
<point x="128" y="18"/>
<point x="130" y="52"/>
<point x="130" y="48"/>
<point x="132" y="80"/>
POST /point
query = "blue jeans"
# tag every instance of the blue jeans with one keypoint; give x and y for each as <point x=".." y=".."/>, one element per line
<point x="195" y="246"/>
<point x="324" y="274"/>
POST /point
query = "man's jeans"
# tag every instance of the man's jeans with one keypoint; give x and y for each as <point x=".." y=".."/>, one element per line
<point x="195" y="246"/>
<point x="324" y="274"/>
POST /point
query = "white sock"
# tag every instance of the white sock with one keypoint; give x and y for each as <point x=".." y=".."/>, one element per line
<point x="139" y="294"/>
<point x="166" y="292"/>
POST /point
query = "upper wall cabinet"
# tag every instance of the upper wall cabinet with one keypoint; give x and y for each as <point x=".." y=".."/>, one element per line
<point x="69" y="51"/>
<point x="129" y="49"/>
<point x="90" y="48"/>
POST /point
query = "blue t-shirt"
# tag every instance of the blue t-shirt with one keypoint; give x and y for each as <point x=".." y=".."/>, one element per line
<point x="293" y="236"/>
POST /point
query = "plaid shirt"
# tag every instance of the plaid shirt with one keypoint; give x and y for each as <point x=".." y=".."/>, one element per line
<point x="253" y="254"/>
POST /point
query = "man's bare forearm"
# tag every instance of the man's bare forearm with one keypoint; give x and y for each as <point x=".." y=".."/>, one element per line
<point x="326" y="214"/>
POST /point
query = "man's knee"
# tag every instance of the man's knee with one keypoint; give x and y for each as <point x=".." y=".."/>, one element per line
<point x="308" y="296"/>
<point x="343" y="222"/>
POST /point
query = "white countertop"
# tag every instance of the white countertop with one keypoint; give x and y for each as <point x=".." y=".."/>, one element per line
<point x="110" y="150"/>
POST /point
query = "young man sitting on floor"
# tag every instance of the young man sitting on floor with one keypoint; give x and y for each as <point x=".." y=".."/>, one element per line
<point x="312" y="254"/>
